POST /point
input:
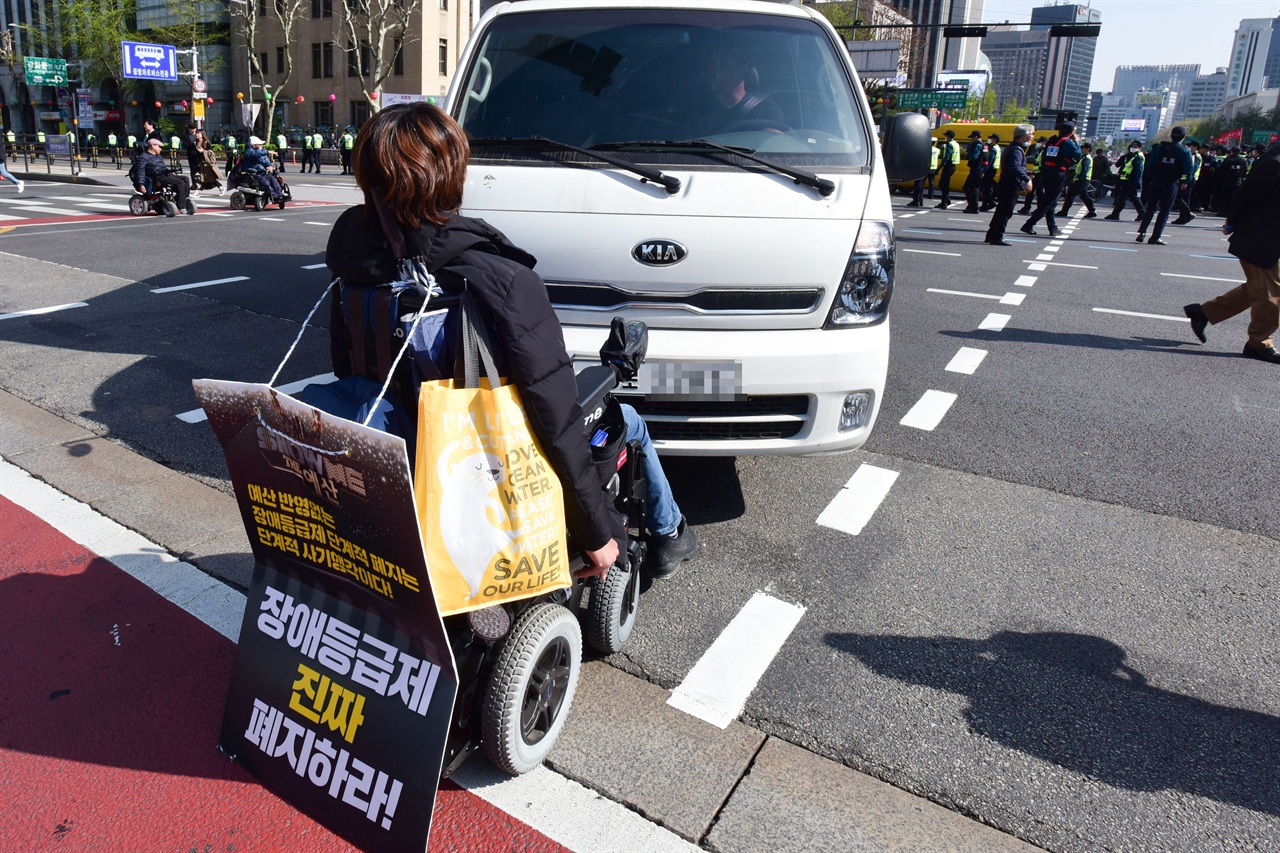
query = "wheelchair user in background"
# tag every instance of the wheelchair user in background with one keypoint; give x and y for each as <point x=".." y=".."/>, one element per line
<point x="150" y="172"/>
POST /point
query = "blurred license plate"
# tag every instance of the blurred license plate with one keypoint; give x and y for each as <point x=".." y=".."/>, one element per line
<point x="695" y="380"/>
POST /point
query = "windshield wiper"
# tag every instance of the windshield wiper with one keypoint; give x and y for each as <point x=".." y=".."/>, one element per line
<point x="800" y="176"/>
<point x="672" y="185"/>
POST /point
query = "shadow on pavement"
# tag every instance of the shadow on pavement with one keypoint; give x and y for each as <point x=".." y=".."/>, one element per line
<point x="1071" y="699"/>
<point x="1103" y="342"/>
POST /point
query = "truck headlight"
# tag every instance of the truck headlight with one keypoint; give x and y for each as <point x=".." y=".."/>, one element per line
<point x="862" y="299"/>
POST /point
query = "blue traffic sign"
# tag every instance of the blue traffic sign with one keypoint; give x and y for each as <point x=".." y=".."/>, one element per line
<point x="150" y="61"/>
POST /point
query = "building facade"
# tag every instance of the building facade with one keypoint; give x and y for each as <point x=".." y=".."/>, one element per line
<point x="1019" y="59"/>
<point x="1069" y="64"/>
<point x="1130" y="79"/>
<point x="1207" y="94"/>
<point x="1249" y="50"/>
<point x="936" y="52"/>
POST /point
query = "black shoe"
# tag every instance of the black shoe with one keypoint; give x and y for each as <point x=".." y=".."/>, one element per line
<point x="1268" y="354"/>
<point x="999" y="242"/>
<point x="986" y="207"/>
<point x="1198" y="321"/>
<point x="1029" y="229"/>
<point x="1112" y="216"/>
<point x="1091" y="215"/>
<point x="943" y="204"/>
<point x="668" y="552"/>
<point x="971" y="210"/>
<point x="1054" y="232"/>
<point x="1062" y="213"/>
<point x="1154" y="241"/>
<point x="1183" y="220"/>
<point x="914" y="204"/>
<point x="1140" y="237"/>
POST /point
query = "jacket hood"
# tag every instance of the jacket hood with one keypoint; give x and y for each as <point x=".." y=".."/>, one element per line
<point x="359" y="252"/>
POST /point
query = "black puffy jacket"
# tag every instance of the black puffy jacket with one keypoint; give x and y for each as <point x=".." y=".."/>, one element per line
<point x="522" y="324"/>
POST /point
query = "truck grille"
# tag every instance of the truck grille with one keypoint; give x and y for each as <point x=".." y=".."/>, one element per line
<point x="604" y="297"/>
<point x="749" y="419"/>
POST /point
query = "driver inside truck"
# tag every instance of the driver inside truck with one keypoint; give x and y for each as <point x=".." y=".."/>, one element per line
<point x="740" y="105"/>
<point x="410" y="160"/>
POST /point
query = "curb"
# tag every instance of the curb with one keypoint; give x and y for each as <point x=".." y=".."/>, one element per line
<point x="710" y="786"/>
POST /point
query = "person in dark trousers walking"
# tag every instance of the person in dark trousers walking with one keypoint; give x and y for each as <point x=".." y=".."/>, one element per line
<point x="1060" y="157"/>
<point x="1129" y="180"/>
<point x="1253" y="226"/>
<point x="1035" y="154"/>
<point x="195" y="159"/>
<point x="1168" y="172"/>
<point x="976" y="155"/>
<point x="1185" y="214"/>
<point x="1014" y="178"/>
<point x="1231" y="173"/>
<point x="987" y="192"/>
<point x="950" y="159"/>
<point x="1081" y="184"/>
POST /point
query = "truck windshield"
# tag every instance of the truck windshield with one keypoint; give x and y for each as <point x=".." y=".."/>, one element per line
<point x="617" y="78"/>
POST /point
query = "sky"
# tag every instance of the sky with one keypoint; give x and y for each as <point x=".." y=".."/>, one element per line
<point x="1152" y="32"/>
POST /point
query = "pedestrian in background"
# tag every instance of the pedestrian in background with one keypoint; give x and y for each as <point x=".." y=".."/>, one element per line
<point x="282" y="149"/>
<point x="917" y="189"/>
<point x="1060" y="157"/>
<point x="1253" y="227"/>
<point x="1231" y="174"/>
<point x="308" y="152"/>
<point x="950" y="158"/>
<point x="1035" y="154"/>
<point x="195" y="160"/>
<point x="976" y="156"/>
<point x="207" y="176"/>
<point x="1185" y="213"/>
<point x="1014" y="179"/>
<point x="1129" y="180"/>
<point x="987" y="192"/>
<point x="1168" y="171"/>
<point x="346" y="143"/>
<point x="1081" y="184"/>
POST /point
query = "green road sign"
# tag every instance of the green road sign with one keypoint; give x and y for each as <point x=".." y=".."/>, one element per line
<point x="931" y="99"/>
<point x="44" y="71"/>
<point x="1262" y="137"/>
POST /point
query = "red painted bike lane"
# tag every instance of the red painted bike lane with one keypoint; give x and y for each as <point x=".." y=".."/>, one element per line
<point x="110" y="703"/>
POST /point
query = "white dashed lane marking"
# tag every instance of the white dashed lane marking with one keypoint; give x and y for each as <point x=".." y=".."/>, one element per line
<point x="966" y="360"/>
<point x="926" y="252"/>
<point x="718" y="686"/>
<point x="1007" y="299"/>
<point x="49" y="310"/>
<point x="200" y="284"/>
<point x="854" y="505"/>
<point x="1025" y="281"/>
<point x="994" y="322"/>
<point x="929" y="410"/>
<point x="1201" y="277"/>
<point x="1142" y="314"/>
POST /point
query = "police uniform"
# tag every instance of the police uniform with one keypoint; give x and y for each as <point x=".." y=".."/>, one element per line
<point x="976" y="155"/>
<point x="987" y="191"/>
<point x="1081" y="186"/>
<point x="346" y="143"/>
<point x="1059" y="157"/>
<point x="308" y="153"/>
<point x="1035" y="157"/>
<point x="1184" y="193"/>
<point x="950" y="159"/>
<point x="1129" y="182"/>
<point x="282" y="148"/>
<point x="317" y="146"/>
<point x="1169" y="169"/>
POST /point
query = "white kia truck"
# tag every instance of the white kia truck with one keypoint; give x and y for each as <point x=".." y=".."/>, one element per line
<point x="710" y="167"/>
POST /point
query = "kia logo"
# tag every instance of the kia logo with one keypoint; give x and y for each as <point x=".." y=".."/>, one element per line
<point x="659" y="253"/>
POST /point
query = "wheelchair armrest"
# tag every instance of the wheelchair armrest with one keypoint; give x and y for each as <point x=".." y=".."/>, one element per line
<point x="594" y="383"/>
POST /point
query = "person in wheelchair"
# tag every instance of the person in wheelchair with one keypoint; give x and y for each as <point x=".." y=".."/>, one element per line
<point x="256" y="162"/>
<point x="150" y="170"/>
<point x="410" y="162"/>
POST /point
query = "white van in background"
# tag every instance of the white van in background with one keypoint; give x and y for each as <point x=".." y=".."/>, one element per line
<point x="709" y="167"/>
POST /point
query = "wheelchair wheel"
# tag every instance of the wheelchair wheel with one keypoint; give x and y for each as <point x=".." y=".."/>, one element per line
<point x="531" y="688"/>
<point x="237" y="200"/>
<point x="191" y="208"/>
<point x="137" y="204"/>
<point x="611" y="614"/>
<point x="259" y="203"/>
<point x="170" y="209"/>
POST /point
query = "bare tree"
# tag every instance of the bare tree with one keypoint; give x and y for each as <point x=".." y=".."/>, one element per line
<point x="375" y="33"/>
<point x="288" y="13"/>
<point x="244" y="20"/>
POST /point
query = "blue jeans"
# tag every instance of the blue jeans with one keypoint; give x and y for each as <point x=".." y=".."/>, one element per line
<point x="664" y="514"/>
<point x="5" y="173"/>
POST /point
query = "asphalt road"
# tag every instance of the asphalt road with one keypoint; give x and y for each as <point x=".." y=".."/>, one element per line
<point x="1060" y="620"/>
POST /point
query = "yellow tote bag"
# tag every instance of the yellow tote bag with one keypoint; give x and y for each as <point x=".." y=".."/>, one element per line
<point x="490" y="506"/>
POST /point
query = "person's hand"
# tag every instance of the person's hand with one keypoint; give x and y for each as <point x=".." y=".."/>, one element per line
<point x="142" y="190"/>
<point x="598" y="562"/>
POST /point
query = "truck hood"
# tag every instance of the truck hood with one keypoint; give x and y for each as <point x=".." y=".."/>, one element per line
<point x="755" y="250"/>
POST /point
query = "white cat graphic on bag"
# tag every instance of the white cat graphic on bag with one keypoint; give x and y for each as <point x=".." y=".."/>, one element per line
<point x="468" y="489"/>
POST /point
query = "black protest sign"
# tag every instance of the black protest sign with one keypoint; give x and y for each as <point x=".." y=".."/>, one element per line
<point x="344" y="682"/>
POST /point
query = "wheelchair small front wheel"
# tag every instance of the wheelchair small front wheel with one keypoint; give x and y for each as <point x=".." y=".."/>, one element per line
<point x="170" y="209"/>
<point x="191" y="208"/>
<point x="531" y="688"/>
<point x="137" y="204"/>
<point x="259" y="203"/>
<point x="611" y="613"/>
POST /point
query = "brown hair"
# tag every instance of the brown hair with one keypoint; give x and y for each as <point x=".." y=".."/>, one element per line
<point x="416" y="156"/>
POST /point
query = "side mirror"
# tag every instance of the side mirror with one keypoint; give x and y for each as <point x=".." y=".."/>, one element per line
<point x="906" y="147"/>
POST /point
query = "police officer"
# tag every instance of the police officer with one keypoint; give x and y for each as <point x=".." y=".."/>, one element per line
<point x="1129" y="180"/>
<point x="1184" y="194"/>
<point x="346" y="143"/>
<point x="308" y="152"/>
<point x="282" y="149"/>
<point x="231" y="149"/>
<point x="91" y="147"/>
<point x="1081" y="184"/>
<point x="1059" y="158"/>
<point x="950" y="159"/>
<point x="1231" y="174"/>
<point x="1035" y="155"/>
<point x="113" y="143"/>
<point x="317" y="145"/>
<point x="40" y="138"/>
<point x="987" y="192"/>
<point x="1168" y="172"/>
<point x="976" y="155"/>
